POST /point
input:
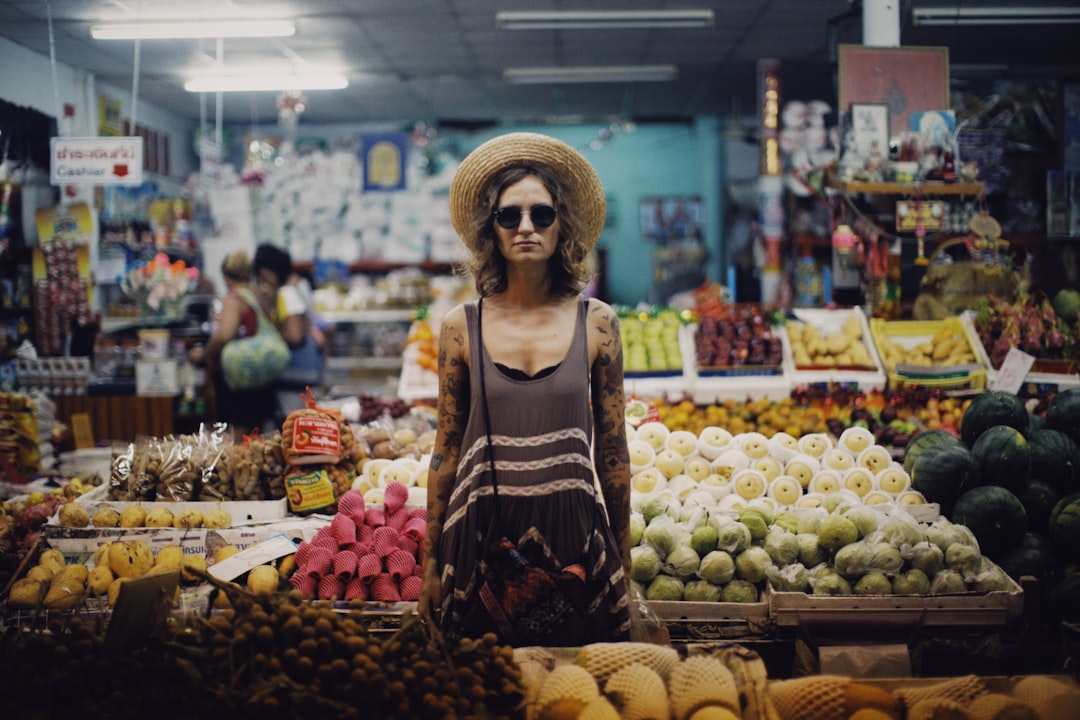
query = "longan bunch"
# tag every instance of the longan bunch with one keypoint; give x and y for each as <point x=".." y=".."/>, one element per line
<point x="275" y="658"/>
<point x="70" y="662"/>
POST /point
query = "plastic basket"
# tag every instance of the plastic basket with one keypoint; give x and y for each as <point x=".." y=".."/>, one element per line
<point x="912" y="332"/>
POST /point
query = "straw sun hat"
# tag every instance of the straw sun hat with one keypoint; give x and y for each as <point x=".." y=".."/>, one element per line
<point x="578" y="178"/>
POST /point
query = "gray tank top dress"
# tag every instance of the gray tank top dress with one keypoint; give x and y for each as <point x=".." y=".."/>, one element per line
<point x="548" y="504"/>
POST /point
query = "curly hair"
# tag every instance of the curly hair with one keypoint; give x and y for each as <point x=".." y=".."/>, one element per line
<point x="569" y="266"/>
<point x="275" y="259"/>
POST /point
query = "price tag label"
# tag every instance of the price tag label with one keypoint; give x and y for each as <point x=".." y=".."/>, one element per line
<point x="1013" y="370"/>
<point x="82" y="430"/>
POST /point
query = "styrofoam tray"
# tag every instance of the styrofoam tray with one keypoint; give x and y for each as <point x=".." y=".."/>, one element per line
<point x="828" y="321"/>
<point x="78" y="544"/>
<point x="243" y="512"/>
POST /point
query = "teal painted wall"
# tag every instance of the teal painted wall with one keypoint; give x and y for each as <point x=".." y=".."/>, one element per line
<point x="649" y="160"/>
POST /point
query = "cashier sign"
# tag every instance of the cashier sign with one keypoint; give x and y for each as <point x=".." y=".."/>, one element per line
<point x="96" y="160"/>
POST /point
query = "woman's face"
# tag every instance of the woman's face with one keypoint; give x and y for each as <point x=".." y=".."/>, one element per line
<point x="266" y="287"/>
<point x="527" y="240"/>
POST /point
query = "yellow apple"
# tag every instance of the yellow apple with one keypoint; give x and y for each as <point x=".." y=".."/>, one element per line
<point x="876" y="497"/>
<point x="893" y="479"/>
<point x="786" y="490"/>
<point x="837" y="459"/>
<point x="712" y="441"/>
<point x="648" y="480"/>
<point x="810" y="500"/>
<point x="874" y="458"/>
<point x="669" y="463"/>
<point x="754" y="444"/>
<point x="683" y="442"/>
<point x="815" y="444"/>
<point x="859" y="481"/>
<point x="768" y="467"/>
<point x="855" y="439"/>
<point x="783" y="447"/>
<point x="653" y="432"/>
<point x="911" y="497"/>
<point x="641" y="454"/>
<point x="749" y="484"/>
<point x="803" y="468"/>
<point x="825" y="482"/>
<point x="698" y="468"/>
<point x="716" y="485"/>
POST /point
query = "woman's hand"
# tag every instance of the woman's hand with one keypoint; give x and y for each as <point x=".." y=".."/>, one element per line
<point x="429" y="604"/>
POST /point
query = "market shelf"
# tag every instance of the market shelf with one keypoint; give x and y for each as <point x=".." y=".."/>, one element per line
<point x="896" y="188"/>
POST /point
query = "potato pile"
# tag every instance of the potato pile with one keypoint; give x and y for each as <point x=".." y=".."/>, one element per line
<point x="839" y="348"/>
<point x="947" y="347"/>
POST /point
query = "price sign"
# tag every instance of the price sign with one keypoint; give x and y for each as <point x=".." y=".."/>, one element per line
<point x="82" y="430"/>
<point x="1013" y="370"/>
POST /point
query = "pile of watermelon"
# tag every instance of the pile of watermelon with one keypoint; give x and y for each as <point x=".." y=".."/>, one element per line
<point x="1013" y="478"/>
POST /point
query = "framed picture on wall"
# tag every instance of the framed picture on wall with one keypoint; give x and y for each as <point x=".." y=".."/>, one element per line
<point x="906" y="79"/>
<point x="870" y="129"/>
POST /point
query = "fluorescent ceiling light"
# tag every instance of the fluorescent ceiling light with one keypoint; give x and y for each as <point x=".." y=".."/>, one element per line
<point x="994" y="15"/>
<point x="256" y="83"/>
<point x="589" y="74"/>
<point x="603" y="19"/>
<point x="194" y="29"/>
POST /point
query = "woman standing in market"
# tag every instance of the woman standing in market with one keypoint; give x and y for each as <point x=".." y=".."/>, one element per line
<point x="243" y="410"/>
<point x="531" y="405"/>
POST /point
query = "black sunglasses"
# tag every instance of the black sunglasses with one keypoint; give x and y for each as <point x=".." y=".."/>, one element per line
<point x="509" y="217"/>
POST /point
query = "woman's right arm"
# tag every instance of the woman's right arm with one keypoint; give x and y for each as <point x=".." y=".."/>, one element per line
<point x="232" y="311"/>
<point x="453" y="414"/>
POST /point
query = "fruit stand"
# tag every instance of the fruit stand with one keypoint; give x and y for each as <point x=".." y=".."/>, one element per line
<point x="933" y="517"/>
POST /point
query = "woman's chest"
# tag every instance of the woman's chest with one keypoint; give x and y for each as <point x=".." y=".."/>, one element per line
<point x="531" y="343"/>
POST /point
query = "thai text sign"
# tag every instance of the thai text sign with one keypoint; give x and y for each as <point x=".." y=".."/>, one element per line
<point x="96" y="160"/>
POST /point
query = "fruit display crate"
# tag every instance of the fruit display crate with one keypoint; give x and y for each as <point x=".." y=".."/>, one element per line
<point x="78" y="544"/>
<point x="911" y="333"/>
<point x="865" y="378"/>
<point x="998" y="607"/>
<point x="1045" y="376"/>
<point x="709" y="390"/>
<point x="688" y="621"/>
<point x="242" y="512"/>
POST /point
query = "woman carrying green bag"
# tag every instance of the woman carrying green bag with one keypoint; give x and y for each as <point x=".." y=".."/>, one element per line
<point x="245" y="353"/>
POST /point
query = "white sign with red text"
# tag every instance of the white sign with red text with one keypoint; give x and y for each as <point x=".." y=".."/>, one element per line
<point x="96" y="160"/>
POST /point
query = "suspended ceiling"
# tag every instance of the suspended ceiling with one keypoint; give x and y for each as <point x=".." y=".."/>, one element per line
<point x="442" y="61"/>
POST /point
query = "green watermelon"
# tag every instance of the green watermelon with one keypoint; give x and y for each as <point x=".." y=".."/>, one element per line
<point x="1065" y="524"/>
<point x="1055" y="459"/>
<point x="1004" y="458"/>
<point x="1063" y="601"/>
<point x="1039" y="500"/>
<point x="925" y="440"/>
<point x="989" y="409"/>
<point x="1035" y="423"/>
<point x="1063" y="413"/>
<point x="994" y="515"/>
<point x="1034" y="556"/>
<point x="942" y="473"/>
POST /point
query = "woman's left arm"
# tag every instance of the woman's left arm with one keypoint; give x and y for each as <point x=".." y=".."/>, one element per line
<point x="609" y="421"/>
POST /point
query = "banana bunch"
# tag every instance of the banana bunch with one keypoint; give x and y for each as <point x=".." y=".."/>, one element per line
<point x="844" y="347"/>
<point x="947" y="347"/>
